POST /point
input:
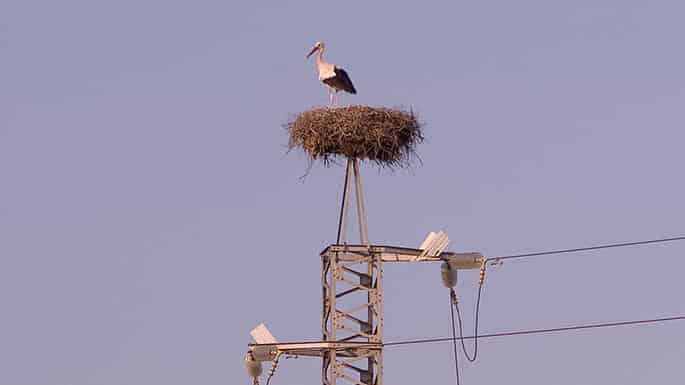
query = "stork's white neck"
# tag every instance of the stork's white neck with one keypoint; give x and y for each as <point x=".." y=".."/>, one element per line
<point x="325" y="70"/>
<point x="319" y="56"/>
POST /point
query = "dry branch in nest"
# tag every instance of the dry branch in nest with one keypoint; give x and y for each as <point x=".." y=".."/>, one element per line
<point x="385" y="136"/>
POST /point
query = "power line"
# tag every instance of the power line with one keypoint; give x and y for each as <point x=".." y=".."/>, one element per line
<point x="454" y="338"/>
<point x="598" y="247"/>
<point x="475" y="332"/>
<point x="538" y="331"/>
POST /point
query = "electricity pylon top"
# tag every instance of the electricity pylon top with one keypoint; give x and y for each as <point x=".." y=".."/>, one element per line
<point x="352" y="317"/>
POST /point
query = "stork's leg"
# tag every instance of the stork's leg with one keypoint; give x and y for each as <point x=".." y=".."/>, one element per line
<point x="331" y="97"/>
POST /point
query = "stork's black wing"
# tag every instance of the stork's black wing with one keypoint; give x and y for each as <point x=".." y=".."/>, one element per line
<point x="341" y="81"/>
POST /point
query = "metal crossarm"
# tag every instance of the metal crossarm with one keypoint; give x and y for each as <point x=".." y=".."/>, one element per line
<point x="470" y="260"/>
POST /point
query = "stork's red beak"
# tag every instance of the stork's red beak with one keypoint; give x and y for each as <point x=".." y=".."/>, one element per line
<point x="312" y="51"/>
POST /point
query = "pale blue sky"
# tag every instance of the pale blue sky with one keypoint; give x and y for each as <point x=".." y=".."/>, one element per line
<point x="150" y="216"/>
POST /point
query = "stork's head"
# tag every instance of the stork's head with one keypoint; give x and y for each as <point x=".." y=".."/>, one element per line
<point x="318" y="46"/>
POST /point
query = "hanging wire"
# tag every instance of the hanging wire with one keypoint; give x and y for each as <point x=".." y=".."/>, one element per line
<point x="455" y="305"/>
<point x="454" y="335"/>
<point x="461" y="331"/>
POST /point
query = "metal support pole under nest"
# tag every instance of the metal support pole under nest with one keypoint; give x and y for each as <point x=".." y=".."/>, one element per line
<point x="361" y="212"/>
<point x="352" y="171"/>
<point x="342" y="221"/>
<point x="352" y="308"/>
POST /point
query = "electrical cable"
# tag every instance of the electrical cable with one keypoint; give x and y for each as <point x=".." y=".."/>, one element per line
<point x="539" y="331"/>
<point x="454" y="304"/>
<point x="475" y="333"/>
<point x="581" y="249"/>
<point x="535" y="254"/>
<point x="454" y="336"/>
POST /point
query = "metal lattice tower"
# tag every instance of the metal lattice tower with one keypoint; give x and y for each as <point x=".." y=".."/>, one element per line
<point x="352" y="317"/>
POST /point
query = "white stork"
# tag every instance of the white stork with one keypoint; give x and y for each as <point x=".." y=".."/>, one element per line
<point x="334" y="77"/>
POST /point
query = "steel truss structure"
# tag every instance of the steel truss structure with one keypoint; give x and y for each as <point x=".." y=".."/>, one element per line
<point x="352" y="316"/>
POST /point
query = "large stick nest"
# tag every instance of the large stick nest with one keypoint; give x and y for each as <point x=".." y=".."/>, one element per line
<point x="387" y="137"/>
